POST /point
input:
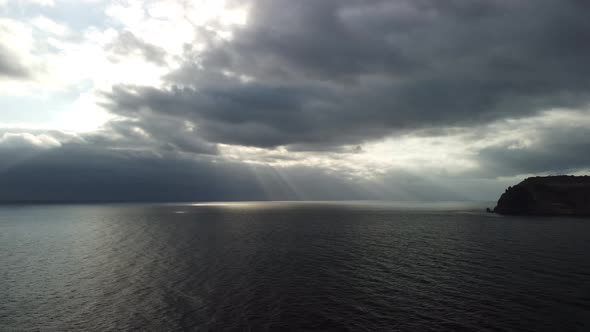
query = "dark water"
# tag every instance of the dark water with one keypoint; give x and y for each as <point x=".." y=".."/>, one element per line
<point x="290" y="266"/>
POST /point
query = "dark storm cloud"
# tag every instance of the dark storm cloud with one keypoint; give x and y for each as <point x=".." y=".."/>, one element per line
<point x="80" y="172"/>
<point x="244" y="114"/>
<point x="344" y="72"/>
<point x="118" y="166"/>
<point x="152" y="133"/>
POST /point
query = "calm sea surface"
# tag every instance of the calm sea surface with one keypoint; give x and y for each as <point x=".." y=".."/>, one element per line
<point x="290" y="266"/>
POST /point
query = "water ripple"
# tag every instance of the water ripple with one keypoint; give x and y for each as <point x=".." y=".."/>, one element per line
<point x="289" y="267"/>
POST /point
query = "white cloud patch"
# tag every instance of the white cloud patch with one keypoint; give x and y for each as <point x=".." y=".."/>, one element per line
<point x="49" y="3"/>
<point x="45" y="24"/>
<point x="20" y="140"/>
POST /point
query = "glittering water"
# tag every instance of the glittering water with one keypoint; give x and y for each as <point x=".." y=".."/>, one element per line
<point x="290" y="266"/>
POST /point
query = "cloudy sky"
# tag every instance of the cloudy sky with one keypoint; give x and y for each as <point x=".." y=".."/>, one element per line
<point x="282" y="99"/>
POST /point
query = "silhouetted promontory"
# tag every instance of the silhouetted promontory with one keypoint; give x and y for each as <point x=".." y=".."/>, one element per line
<point x="550" y="195"/>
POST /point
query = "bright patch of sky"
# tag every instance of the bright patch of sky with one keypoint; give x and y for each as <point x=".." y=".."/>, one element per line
<point x="63" y="51"/>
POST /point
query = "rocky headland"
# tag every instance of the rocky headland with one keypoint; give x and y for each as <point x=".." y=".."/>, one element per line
<point x="548" y="195"/>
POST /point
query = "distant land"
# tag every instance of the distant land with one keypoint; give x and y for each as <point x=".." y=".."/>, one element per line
<point x="550" y="195"/>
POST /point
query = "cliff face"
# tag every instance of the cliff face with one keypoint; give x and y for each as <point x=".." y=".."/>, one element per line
<point x="550" y="195"/>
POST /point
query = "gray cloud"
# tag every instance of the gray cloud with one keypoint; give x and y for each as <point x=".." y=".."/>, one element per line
<point x="153" y="133"/>
<point x="66" y="174"/>
<point x="345" y="72"/>
<point x="555" y="151"/>
<point x="324" y="77"/>
<point x="10" y="65"/>
<point x="127" y="43"/>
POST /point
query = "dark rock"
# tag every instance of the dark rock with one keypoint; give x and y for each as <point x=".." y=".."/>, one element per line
<point x="550" y="195"/>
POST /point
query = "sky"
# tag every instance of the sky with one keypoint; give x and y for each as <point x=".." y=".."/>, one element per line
<point x="412" y="100"/>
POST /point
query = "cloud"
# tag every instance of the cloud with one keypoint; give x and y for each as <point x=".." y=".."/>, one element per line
<point x="152" y="134"/>
<point x="67" y="172"/>
<point x="127" y="43"/>
<point x="557" y="149"/>
<point x="344" y="72"/>
<point x="49" y="3"/>
<point x="15" y="46"/>
<point x="18" y="146"/>
<point x="277" y="99"/>
<point x="9" y="66"/>
<point x="48" y="25"/>
<point x="20" y="140"/>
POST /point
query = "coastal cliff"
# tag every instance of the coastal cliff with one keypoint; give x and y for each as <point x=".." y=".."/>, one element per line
<point x="550" y="195"/>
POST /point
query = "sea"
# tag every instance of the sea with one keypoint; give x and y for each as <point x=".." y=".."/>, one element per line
<point x="290" y="266"/>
